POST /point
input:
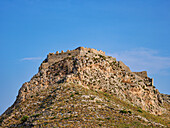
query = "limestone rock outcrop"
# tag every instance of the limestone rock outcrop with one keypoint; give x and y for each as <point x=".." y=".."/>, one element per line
<point x="95" y="70"/>
<point x="92" y="70"/>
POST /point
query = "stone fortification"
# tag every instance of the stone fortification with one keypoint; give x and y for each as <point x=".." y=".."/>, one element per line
<point x="76" y="52"/>
<point x="58" y="56"/>
<point x="143" y="75"/>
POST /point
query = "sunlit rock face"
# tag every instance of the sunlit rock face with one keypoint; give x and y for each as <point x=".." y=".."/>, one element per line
<point x="90" y="69"/>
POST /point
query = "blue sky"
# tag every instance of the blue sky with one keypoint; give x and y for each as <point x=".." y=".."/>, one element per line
<point x="134" y="31"/>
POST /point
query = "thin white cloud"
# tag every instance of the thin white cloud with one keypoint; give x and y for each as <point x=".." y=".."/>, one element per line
<point x="144" y="59"/>
<point x="31" y="58"/>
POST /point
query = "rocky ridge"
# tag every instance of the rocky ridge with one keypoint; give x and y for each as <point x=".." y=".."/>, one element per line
<point x="82" y="80"/>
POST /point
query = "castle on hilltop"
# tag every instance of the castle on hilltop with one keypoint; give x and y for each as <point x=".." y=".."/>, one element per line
<point x="54" y="57"/>
<point x="79" y="50"/>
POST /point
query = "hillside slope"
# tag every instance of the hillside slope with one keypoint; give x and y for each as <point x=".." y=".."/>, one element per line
<point x="84" y="87"/>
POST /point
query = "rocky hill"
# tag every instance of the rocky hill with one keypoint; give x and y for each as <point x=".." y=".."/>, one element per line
<point x="86" y="88"/>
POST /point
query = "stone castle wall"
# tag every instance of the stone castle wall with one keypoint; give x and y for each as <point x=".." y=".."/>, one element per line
<point x="142" y="74"/>
<point x="55" y="57"/>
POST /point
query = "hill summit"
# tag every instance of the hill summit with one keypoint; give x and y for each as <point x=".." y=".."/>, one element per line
<point x="86" y="88"/>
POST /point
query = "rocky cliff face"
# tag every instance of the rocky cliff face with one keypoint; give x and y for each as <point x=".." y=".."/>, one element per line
<point x="88" y="69"/>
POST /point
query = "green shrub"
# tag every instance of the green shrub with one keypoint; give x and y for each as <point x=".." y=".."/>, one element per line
<point x="92" y="98"/>
<point x="129" y="112"/>
<point x="36" y="115"/>
<point x="45" y="123"/>
<point x="140" y="110"/>
<point x="107" y="95"/>
<point x="1" y="120"/>
<point x="66" y="118"/>
<point x="50" y="108"/>
<point x="24" y="118"/>
<point x="77" y="93"/>
<point x="101" y="56"/>
<point x="95" y="59"/>
<point x="98" y="101"/>
<point x="114" y="62"/>
<point x="108" y="118"/>
<point x="123" y="111"/>
<point x="54" y="117"/>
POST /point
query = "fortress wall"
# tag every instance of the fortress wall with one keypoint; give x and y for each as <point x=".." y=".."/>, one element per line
<point x="90" y="49"/>
<point x="55" y="57"/>
<point x="52" y="58"/>
<point x="151" y="81"/>
<point x="142" y="74"/>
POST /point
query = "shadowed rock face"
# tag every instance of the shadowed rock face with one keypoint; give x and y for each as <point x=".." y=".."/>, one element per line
<point x="166" y="98"/>
<point x="92" y="70"/>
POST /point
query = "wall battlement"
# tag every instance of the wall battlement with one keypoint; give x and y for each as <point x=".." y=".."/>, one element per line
<point x="78" y="50"/>
<point x="54" y="57"/>
<point x="90" y="50"/>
